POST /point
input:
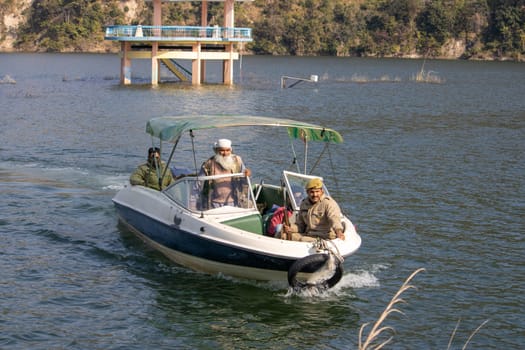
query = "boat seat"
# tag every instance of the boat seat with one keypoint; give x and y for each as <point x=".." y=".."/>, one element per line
<point x="269" y="195"/>
<point x="252" y="223"/>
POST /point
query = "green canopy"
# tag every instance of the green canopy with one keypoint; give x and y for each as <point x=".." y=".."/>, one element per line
<point x="171" y="128"/>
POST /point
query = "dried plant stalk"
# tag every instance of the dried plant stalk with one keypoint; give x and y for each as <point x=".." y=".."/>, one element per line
<point x="376" y="330"/>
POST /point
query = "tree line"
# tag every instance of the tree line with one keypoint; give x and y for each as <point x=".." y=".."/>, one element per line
<point x="382" y="28"/>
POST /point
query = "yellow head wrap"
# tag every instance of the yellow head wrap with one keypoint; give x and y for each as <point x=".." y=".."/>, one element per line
<point x="314" y="183"/>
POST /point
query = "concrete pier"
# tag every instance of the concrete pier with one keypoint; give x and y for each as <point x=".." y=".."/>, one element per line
<point x="199" y="44"/>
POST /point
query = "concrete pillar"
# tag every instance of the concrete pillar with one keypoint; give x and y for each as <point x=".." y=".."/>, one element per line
<point x="203" y="71"/>
<point x="155" y="69"/>
<point x="227" y="65"/>
<point x="204" y="23"/>
<point x="204" y="13"/>
<point x="125" y="63"/>
<point x="228" y="13"/>
<point x="227" y="71"/>
<point x="157" y="12"/>
<point x="196" y="77"/>
<point x="157" y="21"/>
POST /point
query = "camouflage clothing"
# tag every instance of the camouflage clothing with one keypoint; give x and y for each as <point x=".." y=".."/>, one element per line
<point x="146" y="175"/>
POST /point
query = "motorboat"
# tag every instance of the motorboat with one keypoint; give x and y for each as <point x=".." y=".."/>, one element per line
<point x="231" y="240"/>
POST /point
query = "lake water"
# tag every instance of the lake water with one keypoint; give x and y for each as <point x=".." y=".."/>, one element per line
<point x="433" y="175"/>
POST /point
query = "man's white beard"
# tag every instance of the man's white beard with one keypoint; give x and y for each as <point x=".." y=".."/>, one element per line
<point x="226" y="162"/>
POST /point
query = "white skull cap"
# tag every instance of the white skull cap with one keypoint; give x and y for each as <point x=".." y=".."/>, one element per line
<point x="223" y="143"/>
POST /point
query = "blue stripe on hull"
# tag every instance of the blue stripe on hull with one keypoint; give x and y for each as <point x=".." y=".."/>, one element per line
<point x="198" y="246"/>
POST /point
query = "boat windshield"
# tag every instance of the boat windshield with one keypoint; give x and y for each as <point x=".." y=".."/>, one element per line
<point x="295" y="184"/>
<point x="201" y="193"/>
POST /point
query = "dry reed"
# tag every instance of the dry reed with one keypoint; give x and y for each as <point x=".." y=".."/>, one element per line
<point x="371" y="341"/>
<point x="377" y="329"/>
<point x="363" y="79"/>
<point x="427" y="76"/>
<point x="469" y="338"/>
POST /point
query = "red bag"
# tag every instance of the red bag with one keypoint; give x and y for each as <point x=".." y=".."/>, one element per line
<point x="276" y="220"/>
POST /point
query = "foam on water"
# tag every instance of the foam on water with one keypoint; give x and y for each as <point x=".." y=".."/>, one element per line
<point x="65" y="176"/>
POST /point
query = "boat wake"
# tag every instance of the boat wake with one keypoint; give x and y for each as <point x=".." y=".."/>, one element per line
<point x="358" y="279"/>
<point x="7" y="80"/>
<point x="65" y="177"/>
<point x="347" y="285"/>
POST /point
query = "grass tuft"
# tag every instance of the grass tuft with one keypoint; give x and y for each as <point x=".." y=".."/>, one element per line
<point x="469" y="338"/>
<point x="377" y="330"/>
<point x="364" y="79"/>
<point x="427" y="77"/>
<point x="374" y="340"/>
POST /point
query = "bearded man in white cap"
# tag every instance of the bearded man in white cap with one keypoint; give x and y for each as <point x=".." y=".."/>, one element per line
<point x="221" y="192"/>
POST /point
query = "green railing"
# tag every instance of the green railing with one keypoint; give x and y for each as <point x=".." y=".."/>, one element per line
<point x="177" y="33"/>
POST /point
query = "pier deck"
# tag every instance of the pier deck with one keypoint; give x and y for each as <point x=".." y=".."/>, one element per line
<point x="194" y="43"/>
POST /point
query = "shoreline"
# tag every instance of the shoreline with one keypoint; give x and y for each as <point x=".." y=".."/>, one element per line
<point x="484" y="57"/>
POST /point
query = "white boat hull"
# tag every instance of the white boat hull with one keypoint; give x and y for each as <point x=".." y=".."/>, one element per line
<point x="201" y="242"/>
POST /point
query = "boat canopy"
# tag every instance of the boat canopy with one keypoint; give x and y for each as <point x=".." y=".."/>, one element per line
<point x="170" y="129"/>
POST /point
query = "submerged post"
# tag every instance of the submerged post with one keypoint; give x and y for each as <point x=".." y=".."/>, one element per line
<point x="313" y="79"/>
